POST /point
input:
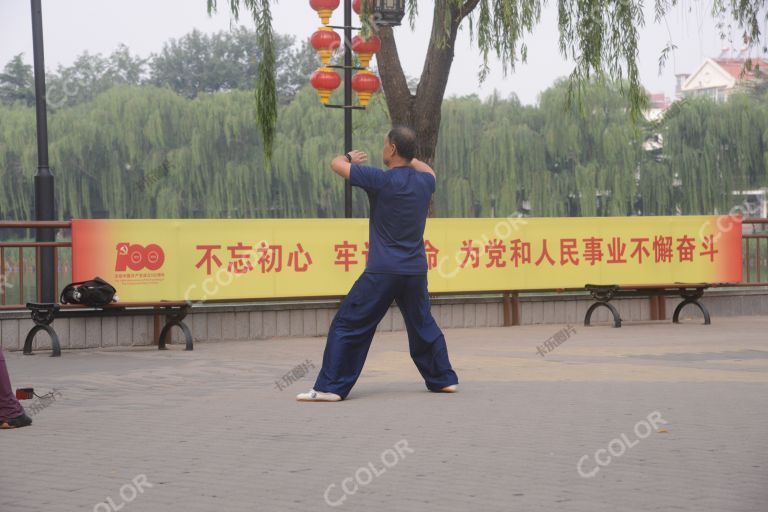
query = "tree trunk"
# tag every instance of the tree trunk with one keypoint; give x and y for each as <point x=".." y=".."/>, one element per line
<point x="422" y="111"/>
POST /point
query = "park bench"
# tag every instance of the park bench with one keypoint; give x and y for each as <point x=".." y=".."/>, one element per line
<point x="690" y="293"/>
<point x="44" y="314"/>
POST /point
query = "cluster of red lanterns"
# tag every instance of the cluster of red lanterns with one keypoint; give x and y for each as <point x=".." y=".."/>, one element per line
<point x="325" y="40"/>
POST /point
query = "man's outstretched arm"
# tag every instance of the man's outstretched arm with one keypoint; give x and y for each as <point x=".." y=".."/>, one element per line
<point x="342" y="166"/>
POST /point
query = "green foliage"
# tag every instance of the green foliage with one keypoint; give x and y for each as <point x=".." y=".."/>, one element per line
<point x="224" y="61"/>
<point x="266" y="88"/>
<point x="90" y="75"/>
<point x="145" y="152"/>
<point x="600" y="38"/>
<point x="196" y="63"/>
<point x="17" y="83"/>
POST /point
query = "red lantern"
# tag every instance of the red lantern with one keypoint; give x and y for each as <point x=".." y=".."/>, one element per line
<point x="366" y="49"/>
<point x="325" y="80"/>
<point x="324" y="9"/>
<point x="365" y="84"/>
<point x="357" y="5"/>
<point x="325" y="41"/>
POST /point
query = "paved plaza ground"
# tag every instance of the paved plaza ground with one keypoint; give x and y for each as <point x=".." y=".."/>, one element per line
<point x="652" y="416"/>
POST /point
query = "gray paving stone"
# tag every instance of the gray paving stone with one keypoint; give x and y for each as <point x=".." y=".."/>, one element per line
<point x="199" y="325"/>
<point x="515" y="432"/>
<point x="283" y="323"/>
<point x="214" y="326"/>
<point x="324" y="319"/>
<point x="242" y="325"/>
<point x="443" y="315"/>
<point x="124" y="331"/>
<point x="93" y="334"/>
<point x="386" y="322"/>
<point x="495" y="316"/>
<point x="309" y="321"/>
<point x="108" y="331"/>
<point x="228" y="327"/>
<point x="25" y="326"/>
<point x="469" y="315"/>
<point x="270" y="324"/>
<point x="398" y="324"/>
<point x="256" y="322"/>
<point x="10" y="333"/>
<point x="77" y="332"/>
<point x="296" y="322"/>
<point x="481" y="315"/>
<point x="457" y="315"/>
<point x="142" y="331"/>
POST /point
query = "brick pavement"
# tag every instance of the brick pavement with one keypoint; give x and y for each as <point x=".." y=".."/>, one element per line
<point x="211" y="431"/>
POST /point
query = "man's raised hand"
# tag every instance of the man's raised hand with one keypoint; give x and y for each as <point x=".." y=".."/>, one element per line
<point x="358" y="157"/>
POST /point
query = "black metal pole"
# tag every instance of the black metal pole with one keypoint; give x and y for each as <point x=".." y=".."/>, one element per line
<point x="44" y="199"/>
<point x="347" y="100"/>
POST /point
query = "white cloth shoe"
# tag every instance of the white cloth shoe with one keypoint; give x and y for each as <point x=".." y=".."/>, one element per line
<point x="450" y="389"/>
<point x="317" y="396"/>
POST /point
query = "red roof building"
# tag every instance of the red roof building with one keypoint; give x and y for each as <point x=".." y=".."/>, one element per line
<point x="719" y="78"/>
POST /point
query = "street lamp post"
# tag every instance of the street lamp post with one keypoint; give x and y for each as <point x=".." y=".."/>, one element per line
<point x="365" y="83"/>
<point x="44" y="196"/>
<point x="347" y="101"/>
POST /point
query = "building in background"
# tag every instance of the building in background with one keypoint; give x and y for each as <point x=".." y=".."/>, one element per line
<point x="658" y="103"/>
<point x="720" y="77"/>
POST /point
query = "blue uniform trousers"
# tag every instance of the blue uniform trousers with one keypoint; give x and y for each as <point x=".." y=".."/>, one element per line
<point x="352" y="329"/>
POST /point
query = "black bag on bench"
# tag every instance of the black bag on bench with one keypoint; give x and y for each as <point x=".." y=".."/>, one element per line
<point x="95" y="293"/>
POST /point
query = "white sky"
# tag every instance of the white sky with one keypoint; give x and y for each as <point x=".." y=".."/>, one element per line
<point x="98" y="26"/>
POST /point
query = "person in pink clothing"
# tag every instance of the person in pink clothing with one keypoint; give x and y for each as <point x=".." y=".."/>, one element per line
<point x="12" y="414"/>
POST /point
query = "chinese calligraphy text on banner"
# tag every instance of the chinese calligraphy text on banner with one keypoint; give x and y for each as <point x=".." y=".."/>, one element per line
<point x="251" y="259"/>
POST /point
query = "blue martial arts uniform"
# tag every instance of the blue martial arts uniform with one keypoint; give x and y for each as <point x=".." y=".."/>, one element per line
<point x="396" y="271"/>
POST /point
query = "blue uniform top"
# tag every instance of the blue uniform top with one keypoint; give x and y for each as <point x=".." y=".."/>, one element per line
<point x="399" y="201"/>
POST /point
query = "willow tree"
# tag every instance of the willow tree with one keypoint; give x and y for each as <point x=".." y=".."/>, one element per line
<point x="148" y="152"/>
<point x="599" y="36"/>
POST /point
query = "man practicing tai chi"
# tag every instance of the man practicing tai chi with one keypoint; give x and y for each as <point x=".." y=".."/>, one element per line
<point x="396" y="270"/>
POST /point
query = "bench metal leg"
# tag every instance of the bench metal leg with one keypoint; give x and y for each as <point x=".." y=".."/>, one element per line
<point x="614" y="312"/>
<point x="176" y="319"/>
<point x="43" y="316"/>
<point x="55" y="346"/>
<point x="695" y="302"/>
<point x="167" y="329"/>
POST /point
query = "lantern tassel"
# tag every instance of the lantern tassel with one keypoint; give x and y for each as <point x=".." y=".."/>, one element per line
<point x="325" y="56"/>
<point x="364" y="98"/>
<point x="324" y="95"/>
<point x="365" y="59"/>
<point x="325" y="16"/>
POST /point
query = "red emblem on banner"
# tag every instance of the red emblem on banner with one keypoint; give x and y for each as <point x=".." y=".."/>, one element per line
<point x="138" y="257"/>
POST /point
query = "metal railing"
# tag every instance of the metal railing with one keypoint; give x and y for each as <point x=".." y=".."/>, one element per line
<point x="17" y="268"/>
<point x="755" y="252"/>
